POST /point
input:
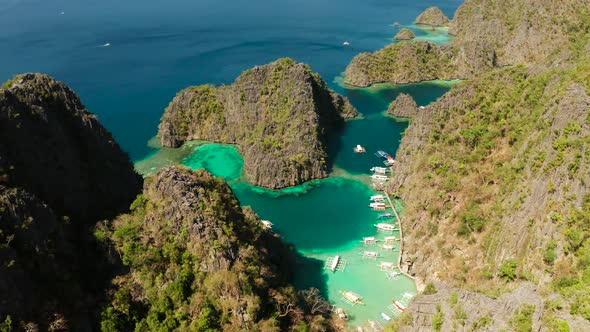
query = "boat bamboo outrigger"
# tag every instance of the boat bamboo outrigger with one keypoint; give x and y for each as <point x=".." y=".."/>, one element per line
<point x="376" y="198"/>
<point x="385" y="317"/>
<point x="352" y="297"/>
<point x="371" y="254"/>
<point x="335" y="263"/>
<point x="377" y="205"/>
<point x="379" y="170"/>
<point x="390" y="239"/>
<point x="399" y="305"/>
<point x="369" y="240"/>
<point x="388" y="247"/>
<point x="381" y="154"/>
<point x="359" y="149"/>
<point x="385" y="227"/>
<point x="384" y="216"/>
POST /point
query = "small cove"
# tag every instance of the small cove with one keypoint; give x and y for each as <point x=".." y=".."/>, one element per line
<point x="327" y="217"/>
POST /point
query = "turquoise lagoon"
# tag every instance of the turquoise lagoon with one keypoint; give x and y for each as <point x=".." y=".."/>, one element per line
<point x="329" y="217"/>
<point x="156" y="48"/>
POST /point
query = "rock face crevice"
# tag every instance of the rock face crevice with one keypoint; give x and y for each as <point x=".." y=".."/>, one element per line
<point x="280" y="115"/>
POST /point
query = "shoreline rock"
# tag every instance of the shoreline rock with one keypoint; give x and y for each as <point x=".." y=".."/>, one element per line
<point x="280" y="115"/>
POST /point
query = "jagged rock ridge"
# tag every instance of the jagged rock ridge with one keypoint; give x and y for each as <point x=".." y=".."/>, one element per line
<point x="279" y="114"/>
<point x="188" y="239"/>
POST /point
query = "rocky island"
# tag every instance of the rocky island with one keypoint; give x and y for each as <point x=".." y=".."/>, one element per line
<point x="405" y="34"/>
<point x="280" y="115"/>
<point x="432" y="17"/>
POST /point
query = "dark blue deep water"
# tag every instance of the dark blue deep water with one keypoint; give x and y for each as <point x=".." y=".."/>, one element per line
<point x="159" y="47"/>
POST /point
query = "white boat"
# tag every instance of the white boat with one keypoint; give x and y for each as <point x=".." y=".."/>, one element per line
<point x="335" y="263"/>
<point x="379" y="170"/>
<point x="378" y="177"/>
<point x="377" y="198"/>
<point x="266" y="224"/>
<point x="377" y="205"/>
<point x="359" y="149"/>
<point x="346" y="43"/>
<point x="352" y="297"/>
<point x="369" y="240"/>
<point x="385" y="227"/>
<point x="390" y="239"/>
<point x="385" y="317"/>
<point x="399" y="305"/>
<point x="387" y="247"/>
<point x="371" y="254"/>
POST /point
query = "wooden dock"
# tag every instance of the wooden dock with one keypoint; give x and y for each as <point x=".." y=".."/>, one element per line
<point x="401" y="236"/>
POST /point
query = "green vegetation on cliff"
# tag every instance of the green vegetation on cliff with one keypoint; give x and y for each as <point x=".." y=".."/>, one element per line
<point x="405" y="62"/>
<point x="279" y="114"/>
<point x="198" y="262"/>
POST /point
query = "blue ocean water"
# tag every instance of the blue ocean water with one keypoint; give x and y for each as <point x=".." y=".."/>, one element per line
<point x="159" y="47"/>
<point x="127" y="60"/>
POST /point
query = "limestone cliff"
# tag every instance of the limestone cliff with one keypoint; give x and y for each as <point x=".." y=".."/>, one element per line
<point x="404" y="106"/>
<point x="54" y="148"/>
<point x="494" y="181"/>
<point x="279" y="114"/>
<point x="60" y="172"/>
<point x="198" y="261"/>
<point x="433" y="17"/>
<point x="404" y="34"/>
<point x="491" y="34"/>
<point x="405" y="62"/>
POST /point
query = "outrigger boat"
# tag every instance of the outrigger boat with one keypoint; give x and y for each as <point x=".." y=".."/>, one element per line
<point x="386" y="227"/>
<point x="378" y="177"/>
<point x="381" y="154"/>
<point x="359" y="149"/>
<point x="399" y="305"/>
<point x="388" y="247"/>
<point x="352" y="297"/>
<point x="369" y="240"/>
<point x="385" y="317"/>
<point x="379" y="170"/>
<point x="384" y="216"/>
<point x="389" y="239"/>
<point x="371" y="254"/>
<point x="377" y="198"/>
<point x="377" y="205"/>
